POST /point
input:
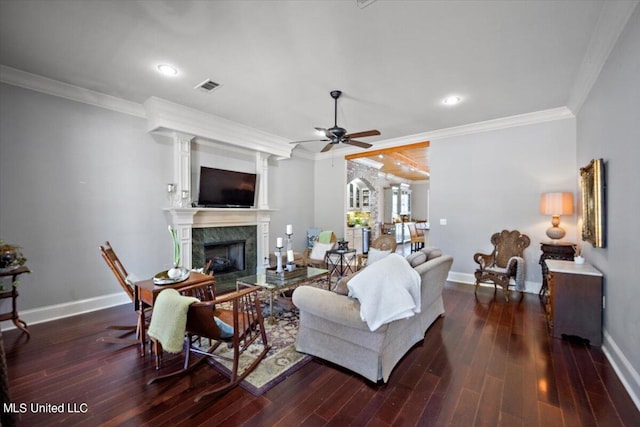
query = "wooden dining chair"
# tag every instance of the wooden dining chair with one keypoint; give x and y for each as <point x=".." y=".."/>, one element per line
<point x="417" y="240"/>
<point x="116" y="266"/>
<point x="240" y="310"/>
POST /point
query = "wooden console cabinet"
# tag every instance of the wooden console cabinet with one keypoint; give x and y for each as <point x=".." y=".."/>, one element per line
<point x="574" y="305"/>
<point x="550" y="250"/>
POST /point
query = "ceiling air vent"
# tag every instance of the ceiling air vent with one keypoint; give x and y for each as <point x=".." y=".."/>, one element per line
<point x="208" y="86"/>
<point x="364" y="3"/>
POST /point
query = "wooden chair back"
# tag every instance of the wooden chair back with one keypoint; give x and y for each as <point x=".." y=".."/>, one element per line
<point x="508" y="244"/>
<point x="385" y="242"/>
<point x="114" y="263"/>
<point x="417" y="239"/>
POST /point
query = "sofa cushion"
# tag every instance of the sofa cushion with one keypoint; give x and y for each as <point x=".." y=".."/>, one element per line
<point x="341" y="287"/>
<point x="432" y="253"/>
<point x="416" y="258"/>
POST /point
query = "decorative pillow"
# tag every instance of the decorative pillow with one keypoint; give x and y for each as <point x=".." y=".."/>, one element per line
<point x="416" y="258"/>
<point x="342" y="286"/>
<point x="432" y="253"/>
<point x="225" y="329"/>
<point x="376" y="255"/>
<point x="319" y="249"/>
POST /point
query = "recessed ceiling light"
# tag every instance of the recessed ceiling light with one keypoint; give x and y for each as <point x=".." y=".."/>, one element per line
<point x="451" y="100"/>
<point x="167" y="70"/>
<point x="380" y="156"/>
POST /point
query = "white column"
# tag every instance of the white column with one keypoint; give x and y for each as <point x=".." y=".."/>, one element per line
<point x="182" y="168"/>
<point x="263" y="223"/>
<point x="262" y="169"/>
<point x="263" y="219"/>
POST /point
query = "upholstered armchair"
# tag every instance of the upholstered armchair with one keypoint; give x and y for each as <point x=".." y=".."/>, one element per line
<point x="504" y="263"/>
<point x="315" y="257"/>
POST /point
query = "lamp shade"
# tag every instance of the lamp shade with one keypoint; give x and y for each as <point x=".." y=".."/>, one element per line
<point x="556" y="204"/>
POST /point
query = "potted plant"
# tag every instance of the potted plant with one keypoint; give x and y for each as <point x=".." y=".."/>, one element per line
<point x="11" y="256"/>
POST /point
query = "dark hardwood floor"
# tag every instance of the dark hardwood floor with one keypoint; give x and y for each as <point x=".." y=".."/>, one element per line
<point x="487" y="362"/>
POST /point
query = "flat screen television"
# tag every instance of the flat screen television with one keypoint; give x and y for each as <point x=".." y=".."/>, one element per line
<point x="221" y="188"/>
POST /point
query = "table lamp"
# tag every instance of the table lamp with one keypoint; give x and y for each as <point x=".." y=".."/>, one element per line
<point x="556" y="204"/>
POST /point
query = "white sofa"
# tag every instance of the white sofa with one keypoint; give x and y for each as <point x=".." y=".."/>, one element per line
<point x="331" y="327"/>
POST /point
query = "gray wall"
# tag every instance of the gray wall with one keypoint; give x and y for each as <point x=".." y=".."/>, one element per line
<point x="291" y="184"/>
<point x="72" y="176"/>
<point x="608" y="127"/>
<point x="420" y="200"/>
<point x="330" y="197"/>
<point x="489" y="181"/>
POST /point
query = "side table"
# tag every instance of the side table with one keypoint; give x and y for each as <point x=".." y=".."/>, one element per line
<point x="561" y="251"/>
<point x="13" y="294"/>
<point x="341" y="262"/>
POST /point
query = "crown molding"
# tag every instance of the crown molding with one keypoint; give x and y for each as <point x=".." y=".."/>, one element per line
<point x="163" y="116"/>
<point x="486" y="126"/>
<point x="611" y="22"/>
<point x="57" y="88"/>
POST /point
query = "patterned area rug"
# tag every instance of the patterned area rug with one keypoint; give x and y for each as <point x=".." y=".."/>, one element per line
<point x="282" y="360"/>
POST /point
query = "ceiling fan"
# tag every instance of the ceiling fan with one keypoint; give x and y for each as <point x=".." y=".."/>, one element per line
<point x="336" y="134"/>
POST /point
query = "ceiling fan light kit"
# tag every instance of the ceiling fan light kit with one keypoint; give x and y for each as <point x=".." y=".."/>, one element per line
<point x="336" y="134"/>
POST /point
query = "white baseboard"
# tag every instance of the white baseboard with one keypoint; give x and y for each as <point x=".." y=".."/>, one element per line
<point x="628" y="375"/>
<point x="59" y="311"/>
<point x="469" y="279"/>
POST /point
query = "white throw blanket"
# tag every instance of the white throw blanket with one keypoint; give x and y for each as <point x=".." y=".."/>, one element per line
<point x="387" y="290"/>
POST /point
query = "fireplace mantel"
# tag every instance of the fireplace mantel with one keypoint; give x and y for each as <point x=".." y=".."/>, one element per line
<point x="186" y="219"/>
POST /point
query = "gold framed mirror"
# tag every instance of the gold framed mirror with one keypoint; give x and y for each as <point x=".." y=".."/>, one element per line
<point x="593" y="215"/>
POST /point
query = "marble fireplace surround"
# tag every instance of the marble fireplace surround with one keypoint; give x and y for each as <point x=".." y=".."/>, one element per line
<point x="224" y="235"/>
<point x="193" y="224"/>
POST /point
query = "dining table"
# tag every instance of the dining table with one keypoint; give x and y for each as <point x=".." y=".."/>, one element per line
<point x="146" y="292"/>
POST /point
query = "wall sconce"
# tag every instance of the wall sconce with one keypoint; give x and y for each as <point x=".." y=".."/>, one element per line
<point x="171" y="188"/>
<point x="556" y="204"/>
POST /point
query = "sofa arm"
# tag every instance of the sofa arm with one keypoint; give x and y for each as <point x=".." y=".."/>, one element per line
<point x="329" y="305"/>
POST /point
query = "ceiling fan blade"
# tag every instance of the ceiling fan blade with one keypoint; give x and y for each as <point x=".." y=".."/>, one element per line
<point x="327" y="147"/>
<point x="357" y="143"/>
<point x="309" y="140"/>
<point x="363" y="134"/>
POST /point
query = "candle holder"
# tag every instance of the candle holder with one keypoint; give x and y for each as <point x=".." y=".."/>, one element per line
<point x="290" y="264"/>
<point x="184" y="199"/>
<point x="279" y="260"/>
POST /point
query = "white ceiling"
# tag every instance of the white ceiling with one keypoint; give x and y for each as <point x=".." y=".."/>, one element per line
<point x="277" y="60"/>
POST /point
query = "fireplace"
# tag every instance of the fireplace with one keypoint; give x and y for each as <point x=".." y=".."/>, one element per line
<point x="225" y="257"/>
<point x="232" y="249"/>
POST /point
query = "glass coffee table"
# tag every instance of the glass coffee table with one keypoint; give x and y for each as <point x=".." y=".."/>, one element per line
<point x="279" y="285"/>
